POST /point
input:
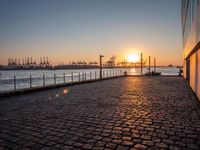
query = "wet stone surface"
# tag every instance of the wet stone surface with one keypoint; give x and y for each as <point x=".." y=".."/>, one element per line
<point x="125" y="113"/>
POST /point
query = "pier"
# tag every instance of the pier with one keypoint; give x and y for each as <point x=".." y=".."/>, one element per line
<point x="121" y="113"/>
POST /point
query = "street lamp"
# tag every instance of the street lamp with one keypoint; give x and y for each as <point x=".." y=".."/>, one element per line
<point x="100" y="59"/>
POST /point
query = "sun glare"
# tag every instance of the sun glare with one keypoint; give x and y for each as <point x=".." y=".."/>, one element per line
<point x="133" y="58"/>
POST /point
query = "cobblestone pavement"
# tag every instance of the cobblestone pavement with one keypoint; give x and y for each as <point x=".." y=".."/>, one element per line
<point x="124" y="113"/>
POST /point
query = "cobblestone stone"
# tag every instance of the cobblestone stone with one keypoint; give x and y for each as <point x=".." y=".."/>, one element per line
<point x="124" y="113"/>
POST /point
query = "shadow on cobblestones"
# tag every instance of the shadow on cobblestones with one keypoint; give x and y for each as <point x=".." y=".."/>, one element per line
<point x="124" y="113"/>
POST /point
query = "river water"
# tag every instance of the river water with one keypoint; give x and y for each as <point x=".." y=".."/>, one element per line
<point x="57" y="76"/>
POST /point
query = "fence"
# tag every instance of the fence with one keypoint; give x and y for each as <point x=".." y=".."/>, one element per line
<point x="63" y="79"/>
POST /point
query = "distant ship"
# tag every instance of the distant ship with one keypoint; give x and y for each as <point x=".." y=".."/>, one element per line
<point x="170" y="65"/>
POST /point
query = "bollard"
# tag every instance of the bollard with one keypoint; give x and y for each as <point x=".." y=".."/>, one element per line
<point x="54" y="78"/>
<point x="30" y="81"/>
<point x="72" y="77"/>
<point x="43" y="80"/>
<point x="14" y="83"/>
<point x="63" y="77"/>
<point x="90" y="75"/>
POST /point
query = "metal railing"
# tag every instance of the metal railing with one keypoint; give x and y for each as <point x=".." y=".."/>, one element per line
<point x="66" y="78"/>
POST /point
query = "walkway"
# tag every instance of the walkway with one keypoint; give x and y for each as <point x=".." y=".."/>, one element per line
<point x="123" y="113"/>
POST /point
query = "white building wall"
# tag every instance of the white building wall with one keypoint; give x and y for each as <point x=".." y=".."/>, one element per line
<point x="198" y="75"/>
<point x="193" y="72"/>
<point x="191" y="37"/>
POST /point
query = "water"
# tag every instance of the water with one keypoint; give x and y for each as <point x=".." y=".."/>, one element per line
<point x="23" y="76"/>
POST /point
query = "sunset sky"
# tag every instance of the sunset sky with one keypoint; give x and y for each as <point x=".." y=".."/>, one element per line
<point x="66" y="30"/>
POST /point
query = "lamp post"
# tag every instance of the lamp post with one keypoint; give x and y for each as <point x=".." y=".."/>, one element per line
<point x="100" y="72"/>
<point x="141" y="59"/>
<point x="149" y="64"/>
<point x="154" y="64"/>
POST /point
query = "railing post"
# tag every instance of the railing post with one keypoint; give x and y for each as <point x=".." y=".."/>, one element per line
<point x="43" y="80"/>
<point x="72" y="77"/>
<point x="82" y="75"/>
<point x="79" y="77"/>
<point x="110" y="73"/>
<point x="14" y="83"/>
<point x="63" y="77"/>
<point x="90" y="75"/>
<point x="95" y="74"/>
<point x="55" y="79"/>
<point x="30" y="81"/>
<point x="85" y="76"/>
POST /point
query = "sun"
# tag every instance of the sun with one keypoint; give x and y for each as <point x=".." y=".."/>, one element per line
<point x="133" y="58"/>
